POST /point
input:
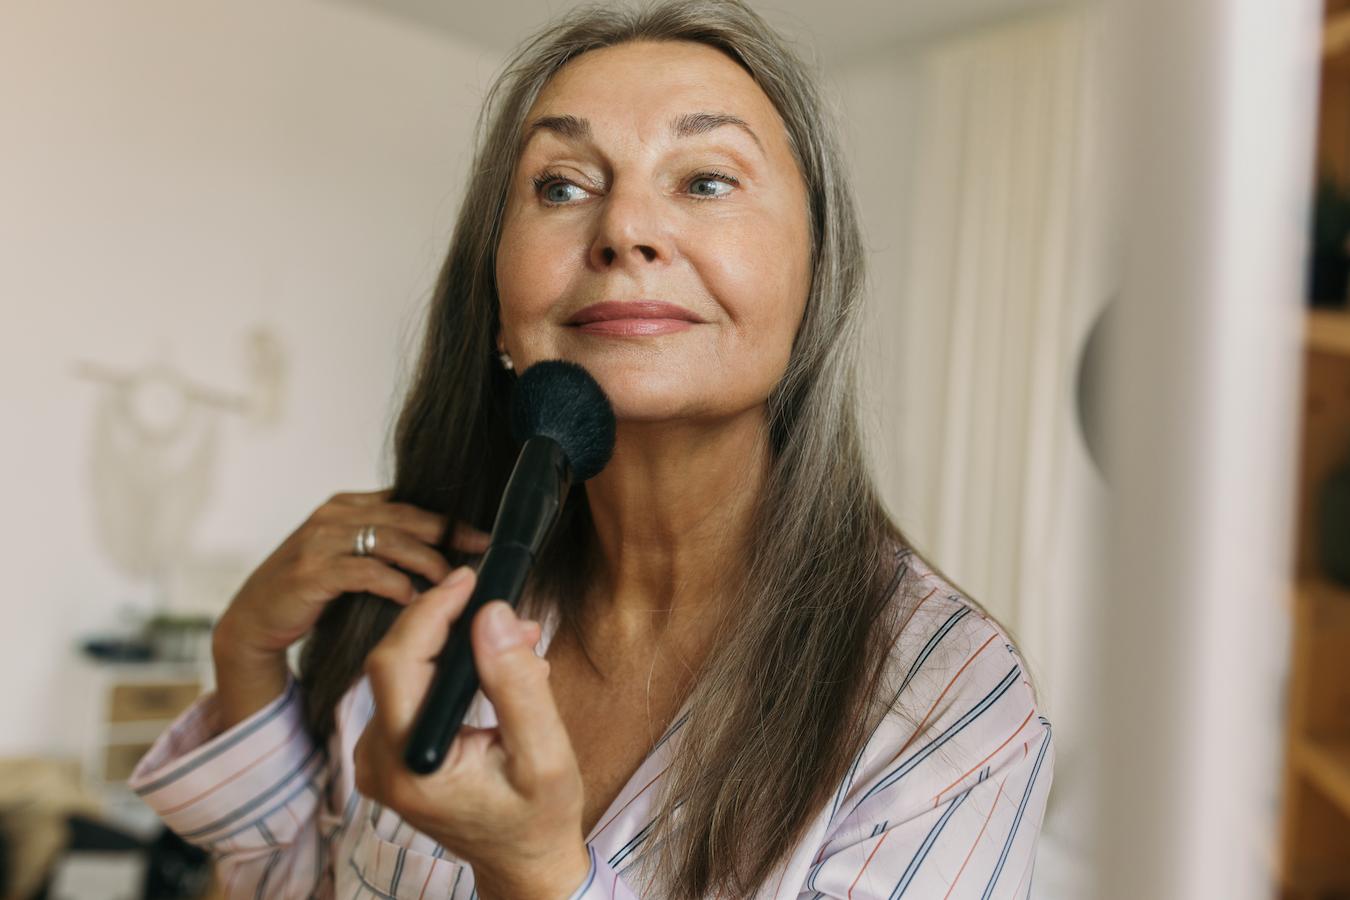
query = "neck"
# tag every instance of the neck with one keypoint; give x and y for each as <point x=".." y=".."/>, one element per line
<point x="671" y="513"/>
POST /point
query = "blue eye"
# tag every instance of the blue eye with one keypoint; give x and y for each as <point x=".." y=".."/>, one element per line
<point x="552" y="194"/>
<point x="714" y="178"/>
<point x="551" y="186"/>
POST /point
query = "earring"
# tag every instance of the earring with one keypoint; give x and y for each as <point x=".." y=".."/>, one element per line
<point x="506" y="360"/>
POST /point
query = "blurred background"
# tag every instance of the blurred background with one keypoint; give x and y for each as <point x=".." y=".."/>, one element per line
<point x="220" y="225"/>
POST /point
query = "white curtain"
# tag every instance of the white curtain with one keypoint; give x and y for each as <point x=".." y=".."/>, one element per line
<point x="1005" y="277"/>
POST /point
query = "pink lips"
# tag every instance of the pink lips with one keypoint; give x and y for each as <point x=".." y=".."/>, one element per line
<point x="638" y="317"/>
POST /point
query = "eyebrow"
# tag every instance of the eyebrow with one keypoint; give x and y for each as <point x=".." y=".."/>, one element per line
<point x="687" y="125"/>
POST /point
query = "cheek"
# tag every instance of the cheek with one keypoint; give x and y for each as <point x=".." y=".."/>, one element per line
<point x="760" y="277"/>
<point x="528" y="272"/>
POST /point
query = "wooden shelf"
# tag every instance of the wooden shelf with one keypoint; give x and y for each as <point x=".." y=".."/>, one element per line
<point x="1329" y="604"/>
<point x="1315" y="830"/>
<point x="1328" y="331"/>
<point x="1326" y="763"/>
<point x="1336" y="37"/>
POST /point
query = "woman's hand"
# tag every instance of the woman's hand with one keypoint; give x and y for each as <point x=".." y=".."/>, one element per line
<point x="507" y="800"/>
<point x="282" y="599"/>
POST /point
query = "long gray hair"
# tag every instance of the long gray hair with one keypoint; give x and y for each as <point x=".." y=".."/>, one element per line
<point x="789" y="695"/>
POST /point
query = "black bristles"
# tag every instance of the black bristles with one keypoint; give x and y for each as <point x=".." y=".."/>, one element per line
<point x="561" y="400"/>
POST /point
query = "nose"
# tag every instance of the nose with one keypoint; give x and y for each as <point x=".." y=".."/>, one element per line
<point x="631" y="230"/>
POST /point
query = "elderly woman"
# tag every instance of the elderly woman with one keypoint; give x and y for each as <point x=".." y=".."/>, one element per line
<point x="731" y="675"/>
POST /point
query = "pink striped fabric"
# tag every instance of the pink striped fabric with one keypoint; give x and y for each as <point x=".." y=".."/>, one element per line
<point x="945" y="800"/>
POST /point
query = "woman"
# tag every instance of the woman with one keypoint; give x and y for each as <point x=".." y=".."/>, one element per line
<point x="732" y="676"/>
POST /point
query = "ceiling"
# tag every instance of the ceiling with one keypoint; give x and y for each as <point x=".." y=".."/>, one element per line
<point x="838" y="29"/>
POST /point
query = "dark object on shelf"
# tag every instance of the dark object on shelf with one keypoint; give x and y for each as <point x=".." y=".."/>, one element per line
<point x="177" y="869"/>
<point x="1328" y="279"/>
<point x="1329" y="264"/>
<point x="1333" y="525"/>
<point x="178" y="638"/>
<point x="119" y="649"/>
<point x="91" y="835"/>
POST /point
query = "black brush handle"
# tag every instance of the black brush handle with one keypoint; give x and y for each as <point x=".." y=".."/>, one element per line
<point x="501" y="576"/>
<point x="529" y="509"/>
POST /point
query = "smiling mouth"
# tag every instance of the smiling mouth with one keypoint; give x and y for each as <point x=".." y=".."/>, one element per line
<point x="634" y="327"/>
<point x="616" y="310"/>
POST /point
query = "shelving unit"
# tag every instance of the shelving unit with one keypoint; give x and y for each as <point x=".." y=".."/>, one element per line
<point x="122" y="709"/>
<point x="1313" y="857"/>
<point x="1314" y="854"/>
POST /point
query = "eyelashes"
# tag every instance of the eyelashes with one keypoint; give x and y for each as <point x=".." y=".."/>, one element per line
<point x="544" y="180"/>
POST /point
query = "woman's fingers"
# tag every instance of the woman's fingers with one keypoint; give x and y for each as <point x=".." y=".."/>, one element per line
<point x="470" y="539"/>
<point x="361" y="498"/>
<point x="392" y="545"/>
<point x="350" y="574"/>
<point x="428" y="526"/>
<point x="401" y="665"/>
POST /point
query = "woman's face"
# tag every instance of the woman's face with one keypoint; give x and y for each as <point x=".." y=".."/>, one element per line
<point x="637" y="183"/>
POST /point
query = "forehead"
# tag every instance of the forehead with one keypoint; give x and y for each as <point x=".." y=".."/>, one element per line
<point x="640" y="86"/>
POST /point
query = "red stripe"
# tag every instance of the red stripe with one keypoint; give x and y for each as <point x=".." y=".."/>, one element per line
<point x="977" y="838"/>
<point x="989" y="757"/>
<point x="630" y="800"/>
<point x="866" y="862"/>
<point x="919" y="730"/>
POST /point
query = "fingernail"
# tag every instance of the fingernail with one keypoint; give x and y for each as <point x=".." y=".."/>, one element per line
<point x="502" y="631"/>
<point x="458" y="575"/>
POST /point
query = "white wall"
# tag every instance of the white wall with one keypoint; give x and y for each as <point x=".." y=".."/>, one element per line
<point x="878" y="93"/>
<point x="172" y="175"/>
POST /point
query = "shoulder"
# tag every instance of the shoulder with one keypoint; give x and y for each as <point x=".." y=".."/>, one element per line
<point x="946" y="642"/>
<point x="957" y="701"/>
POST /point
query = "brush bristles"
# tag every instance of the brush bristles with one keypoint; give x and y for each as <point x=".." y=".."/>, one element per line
<point x="561" y="400"/>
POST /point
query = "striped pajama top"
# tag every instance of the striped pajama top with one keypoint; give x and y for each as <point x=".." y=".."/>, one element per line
<point x="945" y="800"/>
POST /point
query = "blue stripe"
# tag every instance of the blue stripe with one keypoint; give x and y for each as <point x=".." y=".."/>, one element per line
<point x="253" y="804"/>
<point x="267" y="874"/>
<point x="347" y="813"/>
<point x="590" y="877"/>
<point x="905" y="767"/>
<point x="922" y="853"/>
<point x="633" y="843"/>
<point x="927" y="650"/>
<point x="670" y="731"/>
<point x="852" y="771"/>
<point x="811" y="878"/>
<point x="1017" y="820"/>
<point x="217" y="749"/>
<point x="284" y="801"/>
<point x="891" y="588"/>
<point x="933" y="641"/>
<point x="366" y="884"/>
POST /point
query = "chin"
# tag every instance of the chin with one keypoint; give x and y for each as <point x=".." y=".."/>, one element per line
<point x="645" y="387"/>
<point x="646" y="406"/>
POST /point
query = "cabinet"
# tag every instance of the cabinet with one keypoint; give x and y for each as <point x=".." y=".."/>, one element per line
<point x="125" y="707"/>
